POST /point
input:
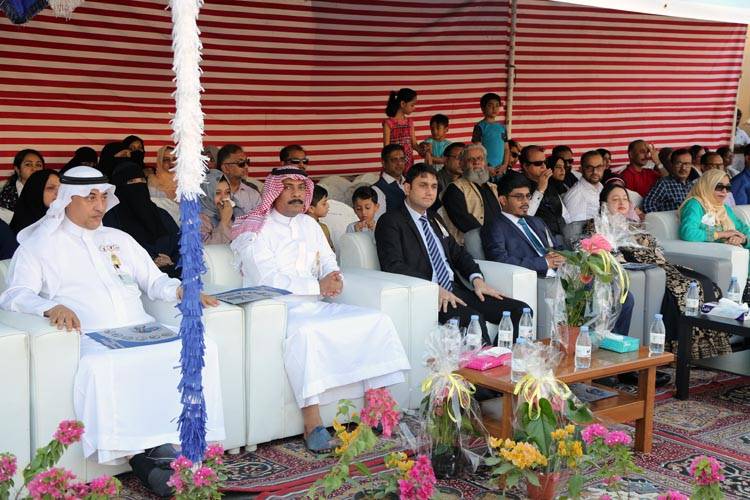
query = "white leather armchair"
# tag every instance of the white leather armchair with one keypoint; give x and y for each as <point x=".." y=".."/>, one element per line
<point x="15" y="421"/>
<point x="271" y="408"/>
<point x="54" y="356"/>
<point x="718" y="261"/>
<point x="340" y="215"/>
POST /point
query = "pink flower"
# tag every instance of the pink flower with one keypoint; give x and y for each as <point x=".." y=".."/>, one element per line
<point x="617" y="437"/>
<point x="175" y="481"/>
<point x="612" y="480"/>
<point x="8" y="467"/>
<point x="215" y="452"/>
<point x="420" y="481"/>
<point x="558" y="404"/>
<point x="380" y="408"/>
<point x="79" y="490"/>
<point x="104" y="485"/>
<point x="706" y="470"/>
<point x="69" y="432"/>
<point x="673" y="495"/>
<point x="180" y="463"/>
<point x="597" y="243"/>
<point x="204" y="476"/>
<point x="605" y="497"/>
<point x="53" y="482"/>
<point x="592" y="432"/>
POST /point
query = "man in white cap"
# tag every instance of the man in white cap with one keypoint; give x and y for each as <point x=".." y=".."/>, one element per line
<point x="331" y="351"/>
<point x="87" y="277"/>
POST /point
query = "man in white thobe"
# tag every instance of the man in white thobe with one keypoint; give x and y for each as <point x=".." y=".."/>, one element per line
<point x="87" y="277"/>
<point x="331" y="351"/>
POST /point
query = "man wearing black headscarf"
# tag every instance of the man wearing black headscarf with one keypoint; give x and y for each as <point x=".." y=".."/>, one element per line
<point x="151" y="226"/>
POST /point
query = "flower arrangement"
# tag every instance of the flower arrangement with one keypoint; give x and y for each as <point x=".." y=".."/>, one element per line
<point x="191" y="481"/>
<point x="408" y="479"/>
<point x="609" y="451"/>
<point x="44" y="481"/>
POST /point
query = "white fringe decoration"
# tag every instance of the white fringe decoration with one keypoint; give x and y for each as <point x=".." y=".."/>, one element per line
<point x="64" y="8"/>
<point x="187" y="124"/>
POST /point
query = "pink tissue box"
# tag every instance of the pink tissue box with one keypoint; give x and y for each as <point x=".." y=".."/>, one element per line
<point x="482" y="362"/>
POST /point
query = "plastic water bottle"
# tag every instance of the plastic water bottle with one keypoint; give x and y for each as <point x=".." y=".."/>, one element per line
<point x="583" y="348"/>
<point x="518" y="360"/>
<point x="526" y="326"/>
<point x="473" y="335"/>
<point x="656" y="336"/>
<point x="505" y="331"/>
<point x="452" y="341"/>
<point x="733" y="293"/>
<point x="692" y="300"/>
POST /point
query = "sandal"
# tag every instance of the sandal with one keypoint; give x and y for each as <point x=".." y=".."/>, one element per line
<point x="319" y="440"/>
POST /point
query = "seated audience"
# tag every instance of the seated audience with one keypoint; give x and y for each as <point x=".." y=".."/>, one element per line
<point x="365" y="203"/>
<point x="210" y="152"/>
<point x="452" y="168"/>
<point x="294" y="156"/>
<point x="741" y="181"/>
<point x="637" y="175"/>
<point x="231" y="160"/>
<point x="546" y="202"/>
<point x="471" y="199"/>
<point x="135" y="214"/>
<point x="582" y="200"/>
<point x="665" y="158"/>
<point x="727" y="158"/>
<point x="318" y="209"/>
<point x="217" y="209"/>
<point x="557" y="165"/>
<point x="645" y="250"/>
<point x="84" y="156"/>
<point x="606" y="157"/>
<point x="571" y="175"/>
<point x="97" y="285"/>
<point x="516" y="237"/>
<point x="163" y="183"/>
<point x="414" y="241"/>
<point x="25" y="163"/>
<point x="434" y="146"/>
<point x="713" y="161"/>
<point x="696" y="152"/>
<point x="8" y="242"/>
<point x="390" y="186"/>
<point x="514" y="150"/>
<point x="38" y="194"/>
<point x="137" y="149"/>
<point x="669" y="192"/>
<point x="112" y="154"/>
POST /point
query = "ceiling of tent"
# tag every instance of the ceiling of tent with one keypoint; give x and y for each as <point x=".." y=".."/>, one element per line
<point x="728" y="11"/>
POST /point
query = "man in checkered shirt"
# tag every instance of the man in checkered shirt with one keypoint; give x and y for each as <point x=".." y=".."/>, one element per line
<point x="669" y="192"/>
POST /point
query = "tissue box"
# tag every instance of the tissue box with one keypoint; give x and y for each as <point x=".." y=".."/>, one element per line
<point x="620" y="343"/>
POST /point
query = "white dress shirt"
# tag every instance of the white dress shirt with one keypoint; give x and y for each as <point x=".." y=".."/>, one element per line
<point x="582" y="200"/>
<point x="515" y="220"/>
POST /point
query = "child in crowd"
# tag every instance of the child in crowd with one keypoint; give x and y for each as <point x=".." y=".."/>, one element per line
<point x="437" y="143"/>
<point x="365" y="203"/>
<point x="491" y="134"/>
<point x="398" y="128"/>
<point x="319" y="209"/>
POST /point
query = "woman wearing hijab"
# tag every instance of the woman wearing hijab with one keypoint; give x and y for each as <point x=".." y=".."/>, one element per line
<point x="112" y="155"/>
<point x="217" y="209"/>
<point x="84" y="156"/>
<point x="136" y="214"/>
<point x="25" y="163"/>
<point x="38" y="194"/>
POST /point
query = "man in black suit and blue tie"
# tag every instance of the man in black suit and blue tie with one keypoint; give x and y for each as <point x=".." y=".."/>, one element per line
<point x="414" y="241"/>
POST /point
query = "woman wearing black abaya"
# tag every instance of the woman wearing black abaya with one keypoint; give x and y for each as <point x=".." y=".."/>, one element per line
<point x="151" y="226"/>
<point x="113" y="154"/>
<point x="85" y="156"/>
<point x="38" y="194"/>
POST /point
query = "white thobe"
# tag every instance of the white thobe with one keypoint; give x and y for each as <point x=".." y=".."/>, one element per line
<point x="582" y="200"/>
<point x="331" y="351"/>
<point x="99" y="275"/>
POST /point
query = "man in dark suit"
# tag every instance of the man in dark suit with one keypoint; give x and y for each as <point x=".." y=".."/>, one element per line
<point x="414" y="241"/>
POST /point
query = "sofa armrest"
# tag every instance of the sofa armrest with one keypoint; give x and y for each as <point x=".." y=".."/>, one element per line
<point x="716" y="260"/>
<point x="512" y="281"/>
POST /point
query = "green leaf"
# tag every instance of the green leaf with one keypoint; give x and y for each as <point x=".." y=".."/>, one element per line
<point x="503" y="469"/>
<point x="531" y="477"/>
<point x="492" y="461"/>
<point x="540" y="429"/>
<point x="512" y="480"/>
<point x="575" y="486"/>
<point x="362" y="468"/>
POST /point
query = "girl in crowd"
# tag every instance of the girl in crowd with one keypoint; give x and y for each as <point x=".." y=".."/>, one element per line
<point x="398" y="128"/>
<point x="645" y="250"/>
<point x="38" y="194"/>
<point x="217" y="209"/>
<point x="25" y="163"/>
<point x="557" y="165"/>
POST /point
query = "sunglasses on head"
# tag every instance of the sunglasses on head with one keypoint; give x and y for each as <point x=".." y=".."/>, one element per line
<point x="537" y="163"/>
<point x="240" y="163"/>
<point x="723" y="187"/>
<point x="298" y="161"/>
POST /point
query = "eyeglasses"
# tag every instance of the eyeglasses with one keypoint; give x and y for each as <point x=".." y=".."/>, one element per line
<point x="588" y="168"/>
<point x="239" y="163"/>
<point x="519" y="196"/>
<point x="298" y="161"/>
<point x="723" y="187"/>
<point x="537" y="163"/>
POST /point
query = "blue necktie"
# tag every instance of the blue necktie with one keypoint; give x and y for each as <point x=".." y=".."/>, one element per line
<point x="532" y="237"/>
<point x="439" y="269"/>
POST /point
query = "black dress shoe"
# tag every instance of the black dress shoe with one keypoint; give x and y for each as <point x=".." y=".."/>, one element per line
<point x="152" y="468"/>
<point x="631" y="378"/>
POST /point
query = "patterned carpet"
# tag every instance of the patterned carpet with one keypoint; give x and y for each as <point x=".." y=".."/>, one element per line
<point x="715" y="421"/>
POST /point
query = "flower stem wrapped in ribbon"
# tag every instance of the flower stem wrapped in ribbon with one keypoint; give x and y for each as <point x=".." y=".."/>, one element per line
<point x="459" y="392"/>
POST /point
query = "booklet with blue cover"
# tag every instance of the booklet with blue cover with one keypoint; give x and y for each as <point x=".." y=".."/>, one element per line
<point x="134" y="336"/>
<point x="240" y="296"/>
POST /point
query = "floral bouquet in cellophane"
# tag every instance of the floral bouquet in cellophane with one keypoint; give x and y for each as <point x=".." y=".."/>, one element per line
<point x="450" y="415"/>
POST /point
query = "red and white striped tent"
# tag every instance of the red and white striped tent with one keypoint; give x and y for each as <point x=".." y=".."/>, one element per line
<point x="318" y="73"/>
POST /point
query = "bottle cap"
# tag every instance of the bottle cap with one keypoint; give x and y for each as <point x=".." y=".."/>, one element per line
<point x="506" y="314"/>
<point x="584" y="328"/>
<point x="526" y="310"/>
<point x="474" y="317"/>
<point x="734" y="278"/>
<point x="693" y="284"/>
<point x="658" y="316"/>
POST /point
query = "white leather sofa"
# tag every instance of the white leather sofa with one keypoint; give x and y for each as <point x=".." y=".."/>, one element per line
<point x="340" y="215"/>
<point x="15" y="421"/>
<point x="54" y="358"/>
<point x="718" y="261"/>
<point x="272" y="412"/>
<point x="357" y="251"/>
<point x="743" y="213"/>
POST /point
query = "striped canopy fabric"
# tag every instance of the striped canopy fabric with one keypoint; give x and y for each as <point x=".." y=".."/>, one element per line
<point x="318" y="73"/>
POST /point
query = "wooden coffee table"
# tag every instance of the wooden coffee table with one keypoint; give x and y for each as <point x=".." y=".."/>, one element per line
<point x="621" y="408"/>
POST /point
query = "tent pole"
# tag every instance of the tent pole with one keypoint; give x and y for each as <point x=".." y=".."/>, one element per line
<point x="511" y="68"/>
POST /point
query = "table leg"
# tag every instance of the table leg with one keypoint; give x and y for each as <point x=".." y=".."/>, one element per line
<point x="684" y="341"/>
<point x="505" y="426"/>
<point x="644" y="426"/>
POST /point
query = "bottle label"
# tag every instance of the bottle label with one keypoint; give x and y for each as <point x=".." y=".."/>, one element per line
<point x="657" y="338"/>
<point x="691" y="303"/>
<point x="583" y="351"/>
<point x="518" y="365"/>
<point x="526" y="331"/>
<point x="505" y="335"/>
